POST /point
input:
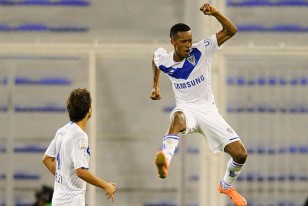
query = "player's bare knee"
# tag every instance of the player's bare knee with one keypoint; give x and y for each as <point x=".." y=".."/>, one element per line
<point x="178" y="122"/>
<point x="178" y="117"/>
<point x="240" y="157"/>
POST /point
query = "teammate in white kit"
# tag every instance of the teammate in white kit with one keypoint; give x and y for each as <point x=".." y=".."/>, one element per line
<point x="67" y="157"/>
<point x="189" y="69"/>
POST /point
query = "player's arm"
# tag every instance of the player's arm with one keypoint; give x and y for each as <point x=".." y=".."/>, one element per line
<point x="228" y="28"/>
<point x="155" y="94"/>
<point x="108" y="187"/>
<point x="50" y="163"/>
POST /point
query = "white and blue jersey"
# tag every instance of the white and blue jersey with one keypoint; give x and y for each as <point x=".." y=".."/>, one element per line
<point x="191" y="78"/>
<point x="71" y="149"/>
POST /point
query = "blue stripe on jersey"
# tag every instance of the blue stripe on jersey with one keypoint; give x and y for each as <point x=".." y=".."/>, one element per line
<point x="188" y="66"/>
<point x="58" y="156"/>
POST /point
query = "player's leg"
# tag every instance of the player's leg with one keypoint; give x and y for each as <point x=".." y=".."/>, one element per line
<point x="170" y="143"/>
<point x="238" y="157"/>
<point x="171" y="139"/>
<point x="221" y="137"/>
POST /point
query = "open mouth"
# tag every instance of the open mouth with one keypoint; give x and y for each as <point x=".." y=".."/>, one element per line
<point x="187" y="52"/>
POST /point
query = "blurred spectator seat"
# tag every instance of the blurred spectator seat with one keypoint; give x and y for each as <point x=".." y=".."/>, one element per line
<point x="274" y="28"/>
<point x="267" y="3"/>
<point x="39" y="27"/>
<point x="30" y="27"/>
<point x="45" y="3"/>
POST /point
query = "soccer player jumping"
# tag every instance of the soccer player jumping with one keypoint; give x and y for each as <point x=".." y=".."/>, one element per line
<point x="189" y="69"/>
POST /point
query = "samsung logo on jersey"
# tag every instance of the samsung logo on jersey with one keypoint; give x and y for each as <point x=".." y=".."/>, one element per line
<point x="189" y="84"/>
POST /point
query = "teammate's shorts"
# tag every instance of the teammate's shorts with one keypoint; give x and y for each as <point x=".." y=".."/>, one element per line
<point x="210" y="124"/>
<point x="70" y="200"/>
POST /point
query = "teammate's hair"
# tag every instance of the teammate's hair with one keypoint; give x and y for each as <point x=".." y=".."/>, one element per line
<point x="78" y="104"/>
<point x="179" y="27"/>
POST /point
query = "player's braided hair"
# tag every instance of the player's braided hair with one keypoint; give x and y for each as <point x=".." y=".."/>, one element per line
<point x="179" y="27"/>
<point x="78" y="104"/>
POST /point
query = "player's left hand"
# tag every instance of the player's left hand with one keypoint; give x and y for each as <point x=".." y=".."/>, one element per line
<point x="208" y="9"/>
<point x="110" y="190"/>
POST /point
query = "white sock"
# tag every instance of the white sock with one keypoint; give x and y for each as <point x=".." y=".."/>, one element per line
<point x="233" y="171"/>
<point x="170" y="143"/>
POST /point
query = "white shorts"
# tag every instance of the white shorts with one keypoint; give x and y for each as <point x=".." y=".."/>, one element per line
<point x="69" y="200"/>
<point x="210" y="124"/>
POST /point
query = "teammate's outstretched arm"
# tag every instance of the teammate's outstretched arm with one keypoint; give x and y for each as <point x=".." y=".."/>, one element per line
<point x="108" y="187"/>
<point x="228" y="28"/>
<point x="155" y="94"/>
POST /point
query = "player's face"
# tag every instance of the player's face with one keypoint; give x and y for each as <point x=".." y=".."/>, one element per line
<point x="182" y="43"/>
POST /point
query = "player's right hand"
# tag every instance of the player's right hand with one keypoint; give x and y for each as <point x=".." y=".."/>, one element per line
<point x="110" y="190"/>
<point x="155" y="94"/>
<point x="208" y="9"/>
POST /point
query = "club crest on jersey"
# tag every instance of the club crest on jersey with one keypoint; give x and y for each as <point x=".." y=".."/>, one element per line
<point x="192" y="60"/>
<point x="82" y="144"/>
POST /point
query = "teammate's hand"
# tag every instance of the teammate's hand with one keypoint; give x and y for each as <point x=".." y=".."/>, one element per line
<point x="110" y="190"/>
<point x="208" y="9"/>
<point x="155" y="94"/>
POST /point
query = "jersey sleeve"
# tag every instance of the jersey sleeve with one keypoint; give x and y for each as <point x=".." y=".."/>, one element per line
<point x="51" y="150"/>
<point x="157" y="54"/>
<point x="208" y="45"/>
<point x="81" y="152"/>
